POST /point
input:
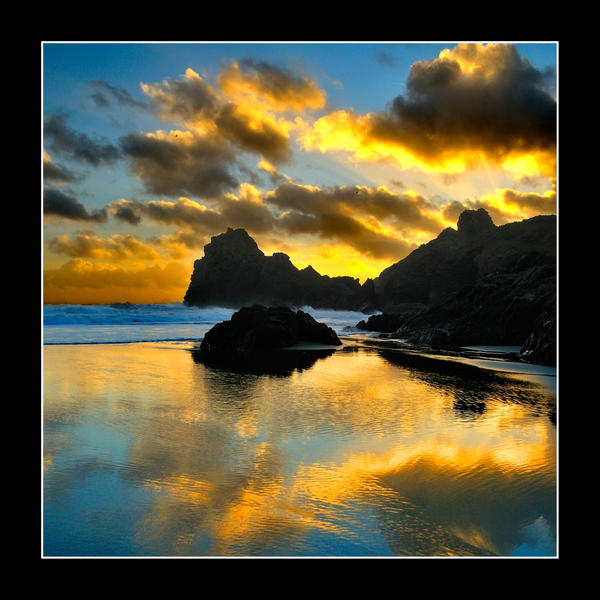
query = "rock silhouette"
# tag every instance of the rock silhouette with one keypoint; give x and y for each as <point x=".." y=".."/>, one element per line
<point x="478" y="284"/>
<point x="234" y="273"/>
<point x="256" y="338"/>
<point x="259" y="327"/>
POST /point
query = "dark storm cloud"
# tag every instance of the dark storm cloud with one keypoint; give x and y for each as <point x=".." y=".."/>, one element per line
<point x="105" y="94"/>
<point x="475" y="97"/>
<point x="58" y="204"/>
<point x="198" y="166"/>
<point x="79" y="146"/>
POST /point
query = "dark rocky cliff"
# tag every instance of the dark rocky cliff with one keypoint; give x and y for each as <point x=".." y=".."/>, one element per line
<point x="234" y="272"/>
<point x="477" y="284"/>
<point x="464" y="256"/>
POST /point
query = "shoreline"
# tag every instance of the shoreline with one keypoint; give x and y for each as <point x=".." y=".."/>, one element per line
<point x="489" y="359"/>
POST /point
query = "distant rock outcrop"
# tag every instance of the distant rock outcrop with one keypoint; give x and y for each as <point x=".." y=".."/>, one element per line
<point x="234" y="272"/>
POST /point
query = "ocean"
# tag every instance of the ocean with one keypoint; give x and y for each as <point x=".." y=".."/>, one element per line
<point x="148" y="452"/>
<point x="127" y="323"/>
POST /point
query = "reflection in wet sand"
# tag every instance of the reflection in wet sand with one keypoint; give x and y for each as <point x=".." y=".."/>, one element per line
<point x="354" y="455"/>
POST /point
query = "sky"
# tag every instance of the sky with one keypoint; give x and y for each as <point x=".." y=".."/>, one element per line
<point x="345" y="156"/>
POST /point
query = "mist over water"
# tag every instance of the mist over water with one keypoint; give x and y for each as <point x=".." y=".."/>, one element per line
<point x="149" y="452"/>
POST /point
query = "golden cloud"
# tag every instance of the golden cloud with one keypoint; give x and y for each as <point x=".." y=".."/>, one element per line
<point x="242" y="111"/>
<point x="473" y="106"/>
<point x="504" y="206"/>
<point x="116" y="248"/>
<point x="269" y="87"/>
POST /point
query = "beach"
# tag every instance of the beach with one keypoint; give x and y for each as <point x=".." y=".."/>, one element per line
<point x="148" y="452"/>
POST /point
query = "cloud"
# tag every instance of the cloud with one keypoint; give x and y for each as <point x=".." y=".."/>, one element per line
<point x="180" y="163"/>
<point x="59" y="205"/>
<point x="406" y="210"/>
<point x="243" y="108"/>
<point x="58" y="174"/>
<point x="384" y="58"/>
<point x="275" y="88"/>
<point x="105" y="94"/>
<point x="374" y="221"/>
<point x="262" y="135"/>
<point x="531" y="202"/>
<point x="246" y="210"/>
<point x="354" y="215"/>
<point x="183" y="212"/>
<point x="125" y="210"/>
<point x="274" y="175"/>
<point x="187" y="100"/>
<point x="504" y="205"/>
<point x="116" y="248"/>
<point x="66" y="141"/>
<point x="475" y="104"/>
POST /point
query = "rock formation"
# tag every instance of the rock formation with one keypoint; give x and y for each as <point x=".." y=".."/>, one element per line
<point x="478" y="284"/>
<point x="234" y="273"/>
<point x="258" y="328"/>
<point x="256" y="338"/>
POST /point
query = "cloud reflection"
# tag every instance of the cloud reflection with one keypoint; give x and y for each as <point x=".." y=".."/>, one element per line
<point x="355" y="455"/>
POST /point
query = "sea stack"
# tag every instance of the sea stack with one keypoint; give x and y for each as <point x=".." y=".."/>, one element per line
<point x="235" y="273"/>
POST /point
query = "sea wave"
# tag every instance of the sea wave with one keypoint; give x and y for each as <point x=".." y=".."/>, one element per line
<point x="131" y="314"/>
<point x="127" y="323"/>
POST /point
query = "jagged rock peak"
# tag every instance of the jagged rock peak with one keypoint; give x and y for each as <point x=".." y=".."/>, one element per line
<point x="234" y="243"/>
<point x="475" y="222"/>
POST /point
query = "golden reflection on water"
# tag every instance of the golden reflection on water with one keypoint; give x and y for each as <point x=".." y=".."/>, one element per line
<point x="355" y="453"/>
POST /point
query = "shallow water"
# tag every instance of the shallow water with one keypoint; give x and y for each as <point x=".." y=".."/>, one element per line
<point x="148" y="452"/>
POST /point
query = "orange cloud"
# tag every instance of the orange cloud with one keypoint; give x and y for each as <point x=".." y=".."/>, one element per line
<point x="116" y="248"/>
<point x="473" y="106"/>
<point x="269" y="87"/>
<point x="504" y="206"/>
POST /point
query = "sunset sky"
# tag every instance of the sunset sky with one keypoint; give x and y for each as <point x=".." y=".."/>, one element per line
<point x="345" y="156"/>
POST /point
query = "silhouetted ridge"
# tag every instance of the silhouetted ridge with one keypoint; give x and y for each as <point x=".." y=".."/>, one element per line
<point x="478" y="284"/>
<point x="234" y="273"/>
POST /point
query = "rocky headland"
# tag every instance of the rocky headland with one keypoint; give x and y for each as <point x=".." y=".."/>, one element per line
<point x="235" y="273"/>
<point x="478" y="284"/>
